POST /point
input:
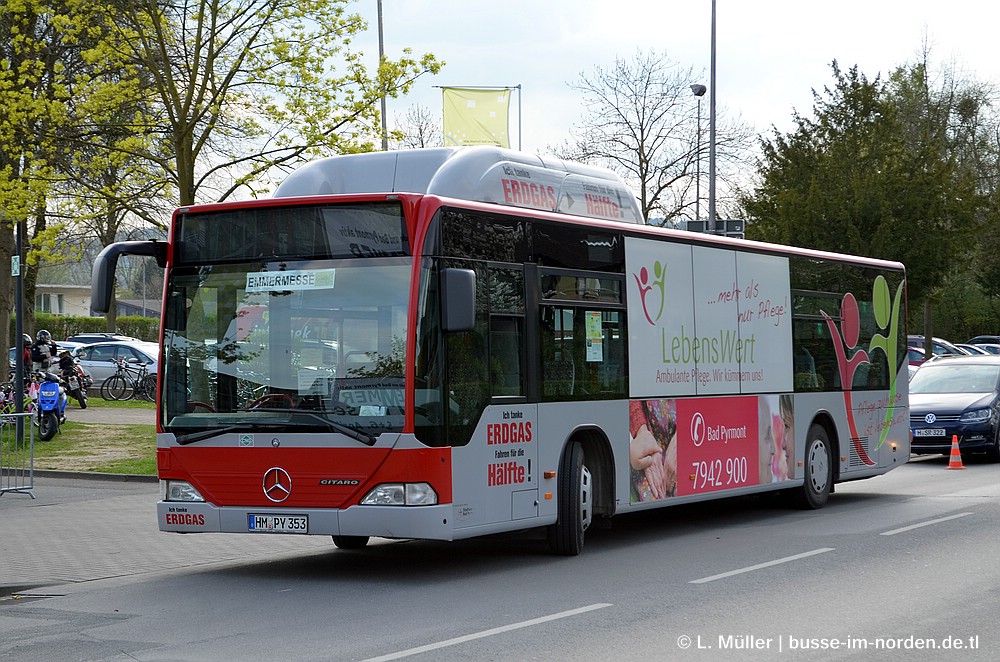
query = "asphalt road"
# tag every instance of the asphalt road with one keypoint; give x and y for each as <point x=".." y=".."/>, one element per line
<point x="896" y="568"/>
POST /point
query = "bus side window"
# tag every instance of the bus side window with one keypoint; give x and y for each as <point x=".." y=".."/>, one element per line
<point x="467" y="364"/>
<point x="613" y="366"/>
<point x="506" y="304"/>
<point x="467" y="377"/>
<point x="506" y="352"/>
<point x="558" y="366"/>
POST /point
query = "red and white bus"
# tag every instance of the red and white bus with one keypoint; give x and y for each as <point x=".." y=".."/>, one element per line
<point x="447" y="343"/>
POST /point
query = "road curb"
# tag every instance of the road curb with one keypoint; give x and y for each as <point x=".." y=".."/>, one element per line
<point x="95" y="475"/>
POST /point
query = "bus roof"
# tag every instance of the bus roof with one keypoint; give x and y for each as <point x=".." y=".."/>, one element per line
<point x="482" y="173"/>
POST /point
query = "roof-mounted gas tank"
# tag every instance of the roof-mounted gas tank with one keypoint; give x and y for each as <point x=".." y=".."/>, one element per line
<point x="483" y="174"/>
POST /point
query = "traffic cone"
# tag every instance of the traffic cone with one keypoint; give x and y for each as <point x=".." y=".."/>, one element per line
<point x="955" y="462"/>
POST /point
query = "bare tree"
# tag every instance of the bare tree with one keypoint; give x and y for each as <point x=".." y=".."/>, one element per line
<point x="418" y="128"/>
<point x="640" y="120"/>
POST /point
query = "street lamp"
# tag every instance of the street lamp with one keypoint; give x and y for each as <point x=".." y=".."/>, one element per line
<point x="712" y="220"/>
<point x="699" y="91"/>
<point x="381" y="56"/>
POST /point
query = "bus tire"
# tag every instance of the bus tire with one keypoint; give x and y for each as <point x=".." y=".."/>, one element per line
<point x="575" y="503"/>
<point x="818" y="470"/>
<point x="350" y="542"/>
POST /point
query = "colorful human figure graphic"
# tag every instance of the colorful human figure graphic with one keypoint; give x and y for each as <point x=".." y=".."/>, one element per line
<point x="646" y="286"/>
<point x="850" y="326"/>
<point x="886" y="317"/>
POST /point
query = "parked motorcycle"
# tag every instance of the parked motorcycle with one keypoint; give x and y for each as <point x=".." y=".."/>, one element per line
<point x="48" y="396"/>
<point x="76" y="378"/>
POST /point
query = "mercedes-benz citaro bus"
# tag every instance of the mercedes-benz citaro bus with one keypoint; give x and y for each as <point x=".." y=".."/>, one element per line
<point x="448" y="343"/>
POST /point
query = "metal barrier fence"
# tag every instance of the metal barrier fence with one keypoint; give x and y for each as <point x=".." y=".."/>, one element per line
<point x="17" y="454"/>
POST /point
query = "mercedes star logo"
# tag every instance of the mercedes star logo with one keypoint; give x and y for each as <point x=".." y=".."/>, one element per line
<point x="277" y="484"/>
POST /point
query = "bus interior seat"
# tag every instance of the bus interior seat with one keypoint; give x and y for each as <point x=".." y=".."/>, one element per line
<point x="560" y="377"/>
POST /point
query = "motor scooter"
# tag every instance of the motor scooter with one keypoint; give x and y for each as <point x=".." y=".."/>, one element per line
<point x="48" y="396"/>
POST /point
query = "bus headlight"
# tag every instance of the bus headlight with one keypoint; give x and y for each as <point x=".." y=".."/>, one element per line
<point x="401" y="494"/>
<point x="178" y="490"/>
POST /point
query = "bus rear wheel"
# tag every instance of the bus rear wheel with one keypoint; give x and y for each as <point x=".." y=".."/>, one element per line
<point x="575" y="503"/>
<point x="818" y="470"/>
<point x="350" y="542"/>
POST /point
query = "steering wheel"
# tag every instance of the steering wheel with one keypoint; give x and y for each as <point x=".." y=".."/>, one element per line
<point x="273" y="398"/>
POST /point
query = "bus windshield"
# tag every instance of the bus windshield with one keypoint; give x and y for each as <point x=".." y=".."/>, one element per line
<point x="310" y="345"/>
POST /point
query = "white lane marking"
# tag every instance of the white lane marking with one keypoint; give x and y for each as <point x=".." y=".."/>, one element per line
<point x="488" y="633"/>
<point x="921" y="524"/>
<point x="787" y="559"/>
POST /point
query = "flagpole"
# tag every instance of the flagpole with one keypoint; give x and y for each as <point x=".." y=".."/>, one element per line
<point x="519" y="117"/>
<point x="381" y="56"/>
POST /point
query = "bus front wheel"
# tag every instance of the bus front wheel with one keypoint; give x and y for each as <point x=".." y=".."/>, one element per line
<point x="350" y="542"/>
<point x="818" y="469"/>
<point x="575" y="503"/>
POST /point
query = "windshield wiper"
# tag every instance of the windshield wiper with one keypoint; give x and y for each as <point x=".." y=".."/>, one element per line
<point x="192" y="437"/>
<point x="202" y="435"/>
<point x="367" y="439"/>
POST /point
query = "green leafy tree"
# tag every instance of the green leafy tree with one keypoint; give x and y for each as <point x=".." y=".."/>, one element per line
<point x="871" y="173"/>
<point x="246" y="88"/>
<point x="49" y="53"/>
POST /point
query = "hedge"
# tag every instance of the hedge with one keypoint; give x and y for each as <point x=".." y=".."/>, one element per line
<point x="63" y="326"/>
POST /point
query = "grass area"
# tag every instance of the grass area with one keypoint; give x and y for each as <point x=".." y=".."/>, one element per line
<point x="97" y="401"/>
<point x="98" y="447"/>
<point x="124" y="449"/>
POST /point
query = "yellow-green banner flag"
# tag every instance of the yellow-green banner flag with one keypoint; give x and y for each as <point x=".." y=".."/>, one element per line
<point x="475" y="116"/>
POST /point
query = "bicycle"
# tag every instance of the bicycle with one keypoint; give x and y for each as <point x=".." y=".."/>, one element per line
<point x="7" y="405"/>
<point x="129" y="382"/>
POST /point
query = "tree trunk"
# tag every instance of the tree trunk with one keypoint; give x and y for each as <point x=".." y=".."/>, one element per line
<point x="6" y="287"/>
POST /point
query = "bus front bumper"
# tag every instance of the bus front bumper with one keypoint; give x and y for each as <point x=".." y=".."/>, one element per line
<point x="426" y="522"/>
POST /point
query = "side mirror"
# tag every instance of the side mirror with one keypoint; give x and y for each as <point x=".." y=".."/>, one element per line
<point x="103" y="278"/>
<point x="458" y="299"/>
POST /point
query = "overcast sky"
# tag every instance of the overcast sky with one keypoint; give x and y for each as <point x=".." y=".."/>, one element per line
<point x="770" y="54"/>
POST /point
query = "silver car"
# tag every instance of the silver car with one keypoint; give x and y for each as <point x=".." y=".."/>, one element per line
<point x="99" y="359"/>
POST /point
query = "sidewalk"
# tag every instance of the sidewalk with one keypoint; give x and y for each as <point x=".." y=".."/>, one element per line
<point x="110" y="415"/>
<point x="85" y="529"/>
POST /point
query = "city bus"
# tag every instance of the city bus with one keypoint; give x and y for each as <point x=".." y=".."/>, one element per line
<point x="454" y="342"/>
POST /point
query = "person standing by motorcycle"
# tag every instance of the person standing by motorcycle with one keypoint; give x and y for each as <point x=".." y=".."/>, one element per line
<point x="43" y="351"/>
<point x="77" y="380"/>
<point x="26" y="343"/>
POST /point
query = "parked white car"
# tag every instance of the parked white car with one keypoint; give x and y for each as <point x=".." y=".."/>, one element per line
<point x="99" y="359"/>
